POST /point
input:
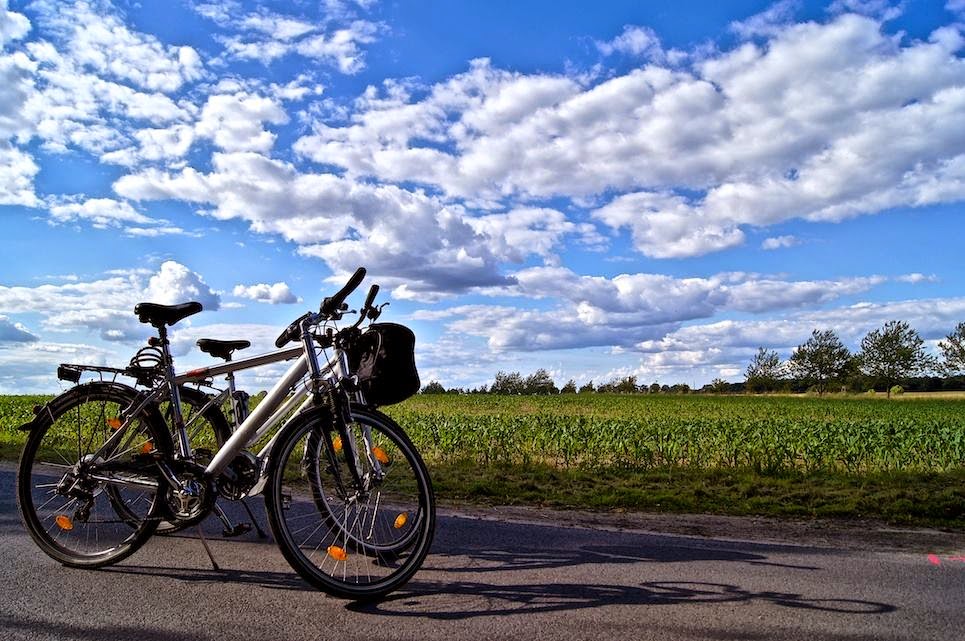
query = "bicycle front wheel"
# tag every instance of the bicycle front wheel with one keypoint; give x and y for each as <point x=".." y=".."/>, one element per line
<point x="87" y="503"/>
<point x="353" y="542"/>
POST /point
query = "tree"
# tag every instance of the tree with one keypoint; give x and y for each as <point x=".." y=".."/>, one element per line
<point x="719" y="386"/>
<point x="569" y="388"/>
<point x="587" y="388"/>
<point x="894" y="352"/>
<point x="764" y="371"/>
<point x="654" y="387"/>
<point x="953" y="351"/>
<point x="823" y="358"/>
<point x="507" y="383"/>
<point x="433" y="387"/>
<point x="627" y="385"/>
<point x="540" y="382"/>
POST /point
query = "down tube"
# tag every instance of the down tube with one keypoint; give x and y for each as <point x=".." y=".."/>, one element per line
<point x="275" y="397"/>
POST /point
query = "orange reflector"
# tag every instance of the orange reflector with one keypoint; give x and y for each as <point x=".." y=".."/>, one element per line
<point x="147" y="448"/>
<point x="114" y="423"/>
<point x="337" y="553"/>
<point x="64" y="523"/>
<point x="380" y="455"/>
<point x="337" y="444"/>
<point x="400" y="521"/>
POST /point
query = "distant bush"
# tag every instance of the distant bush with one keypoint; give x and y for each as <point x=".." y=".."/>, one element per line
<point x="897" y="389"/>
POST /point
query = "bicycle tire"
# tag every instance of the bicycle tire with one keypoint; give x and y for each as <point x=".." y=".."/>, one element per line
<point x="385" y="546"/>
<point x="346" y="568"/>
<point x="65" y="519"/>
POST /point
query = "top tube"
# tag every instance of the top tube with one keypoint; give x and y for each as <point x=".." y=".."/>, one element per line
<point x="202" y="373"/>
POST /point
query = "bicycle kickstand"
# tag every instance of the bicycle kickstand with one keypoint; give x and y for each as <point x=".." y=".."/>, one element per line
<point x="254" y="521"/>
<point x="204" y="543"/>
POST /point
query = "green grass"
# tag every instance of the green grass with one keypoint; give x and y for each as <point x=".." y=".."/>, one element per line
<point x="933" y="499"/>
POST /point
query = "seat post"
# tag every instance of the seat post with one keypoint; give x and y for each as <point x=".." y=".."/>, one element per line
<point x="184" y="445"/>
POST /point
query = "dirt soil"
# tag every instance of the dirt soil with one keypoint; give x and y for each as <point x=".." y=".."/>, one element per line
<point x="852" y="534"/>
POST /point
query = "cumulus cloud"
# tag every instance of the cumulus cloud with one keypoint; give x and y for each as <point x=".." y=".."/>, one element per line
<point x="769" y="22"/>
<point x="916" y="278"/>
<point x="819" y="121"/>
<point x="276" y="294"/>
<point x="13" y="332"/>
<point x="234" y="122"/>
<point x="17" y="170"/>
<point x="174" y="283"/>
<point x="412" y="241"/>
<point x="778" y="242"/>
<point x="634" y="41"/>
<point x="337" y="39"/>
<point x="30" y="368"/>
<point x="13" y="25"/>
<point x="617" y="311"/>
<point x="106" y="306"/>
<point x="99" y="40"/>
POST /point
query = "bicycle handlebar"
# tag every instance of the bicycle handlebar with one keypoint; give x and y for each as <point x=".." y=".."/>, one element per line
<point x="332" y="307"/>
<point x="333" y="304"/>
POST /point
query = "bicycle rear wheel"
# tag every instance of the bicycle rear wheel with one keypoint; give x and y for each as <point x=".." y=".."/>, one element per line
<point x="82" y="504"/>
<point x="351" y="543"/>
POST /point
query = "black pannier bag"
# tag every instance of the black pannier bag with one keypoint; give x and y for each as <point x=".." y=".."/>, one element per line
<point x="384" y="360"/>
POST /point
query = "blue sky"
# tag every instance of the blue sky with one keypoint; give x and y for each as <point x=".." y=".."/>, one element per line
<point x="601" y="189"/>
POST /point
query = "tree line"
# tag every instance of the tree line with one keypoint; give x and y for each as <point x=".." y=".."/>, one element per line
<point x="890" y="356"/>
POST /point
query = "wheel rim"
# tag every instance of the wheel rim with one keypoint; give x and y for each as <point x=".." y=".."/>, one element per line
<point x="346" y="541"/>
<point x="78" y="516"/>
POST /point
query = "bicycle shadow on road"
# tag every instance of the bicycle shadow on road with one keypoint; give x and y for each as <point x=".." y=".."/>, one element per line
<point x="448" y="601"/>
<point x="498" y="548"/>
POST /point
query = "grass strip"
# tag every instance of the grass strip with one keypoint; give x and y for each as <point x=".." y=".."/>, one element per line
<point x="920" y="499"/>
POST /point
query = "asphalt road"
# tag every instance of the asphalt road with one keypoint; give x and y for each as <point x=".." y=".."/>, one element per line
<point x="487" y="579"/>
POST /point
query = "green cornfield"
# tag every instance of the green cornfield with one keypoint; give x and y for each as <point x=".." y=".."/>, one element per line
<point x="767" y="434"/>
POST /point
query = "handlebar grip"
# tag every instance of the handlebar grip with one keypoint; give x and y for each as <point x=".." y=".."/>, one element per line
<point x="373" y="292"/>
<point x="333" y="304"/>
<point x="291" y="332"/>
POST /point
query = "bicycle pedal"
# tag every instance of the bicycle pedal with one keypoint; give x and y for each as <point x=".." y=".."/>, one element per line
<point x="237" y="530"/>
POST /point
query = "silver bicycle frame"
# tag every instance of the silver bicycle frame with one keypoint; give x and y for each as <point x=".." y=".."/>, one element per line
<point x="289" y="393"/>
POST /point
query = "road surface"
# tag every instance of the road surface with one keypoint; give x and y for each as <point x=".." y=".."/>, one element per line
<point x="487" y="579"/>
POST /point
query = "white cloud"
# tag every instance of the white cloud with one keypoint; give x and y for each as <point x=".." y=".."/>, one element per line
<point x="13" y="332"/>
<point x="101" y="212"/>
<point x="234" y="122"/>
<point x="635" y="41"/>
<point x="341" y="48"/>
<point x="27" y="368"/>
<point x="276" y="294"/>
<point x="617" y="311"/>
<point x="13" y="25"/>
<point x="881" y="9"/>
<point x="405" y="237"/>
<point x="98" y="40"/>
<point x="174" y="283"/>
<point x="916" y="278"/>
<point x="337" y="40"/>
<point x="821" y="122"/>
<point x="769" y="22"/>
<point x="778" y="242"/>
<point x="17" y="170"/>
<point x="106" y="306"/>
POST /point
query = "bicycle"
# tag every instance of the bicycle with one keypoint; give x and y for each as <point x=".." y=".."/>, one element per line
<point x="348" y="497"/>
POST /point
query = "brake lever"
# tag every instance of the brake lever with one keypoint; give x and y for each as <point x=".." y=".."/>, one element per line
<point x="375" y="312"/>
